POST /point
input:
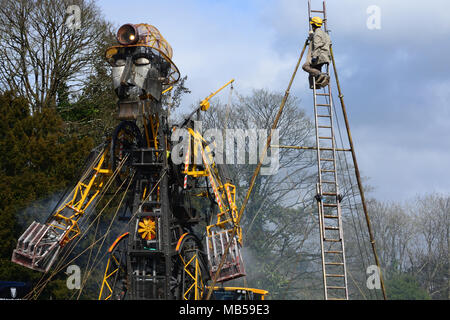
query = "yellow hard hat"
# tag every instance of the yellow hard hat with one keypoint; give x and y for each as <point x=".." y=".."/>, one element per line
<point x="316" y="21"/>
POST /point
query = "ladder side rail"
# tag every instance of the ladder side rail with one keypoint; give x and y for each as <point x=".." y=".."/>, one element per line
<point x="326" y="260"/>
<point x="339" y="211"/>
<point x="320" y="207"/>
<point x="325" y="21"/>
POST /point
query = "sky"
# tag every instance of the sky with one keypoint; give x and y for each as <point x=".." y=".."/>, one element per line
<point x="395" y="78"/>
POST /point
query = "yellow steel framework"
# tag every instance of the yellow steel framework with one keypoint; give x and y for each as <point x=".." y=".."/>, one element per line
<point x="108" y="274"/>
<point x="83" y="195"/>
<point x="192" y="269"/>
<point x="260" y="294"/>
<point x="113" y="264"/>
<point x="224" y="194"/>
<point x="223" y="191"/>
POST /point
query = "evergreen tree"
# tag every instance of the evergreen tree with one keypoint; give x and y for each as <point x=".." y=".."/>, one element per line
<point x="37" y="159"/>
<point x="403" y="286"/>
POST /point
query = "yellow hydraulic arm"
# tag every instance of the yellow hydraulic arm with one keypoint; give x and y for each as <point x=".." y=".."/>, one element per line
<point x="40" y="244"/>
<point x="204" y="104"/>
<point x="85" y="192"/>
<point x="219" y="233"/>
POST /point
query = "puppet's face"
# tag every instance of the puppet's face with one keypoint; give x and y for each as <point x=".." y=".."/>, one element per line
<point x="136" y="72"/>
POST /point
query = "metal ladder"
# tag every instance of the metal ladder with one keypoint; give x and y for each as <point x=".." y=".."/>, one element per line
<point x="328" y="198"/>
<point x="322" y="12"/>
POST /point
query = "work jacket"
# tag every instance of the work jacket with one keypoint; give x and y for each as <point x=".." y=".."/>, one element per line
<point x="320" y="47"/>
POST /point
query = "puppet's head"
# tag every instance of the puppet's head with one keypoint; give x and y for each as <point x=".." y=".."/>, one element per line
<point x="141" y="63"/>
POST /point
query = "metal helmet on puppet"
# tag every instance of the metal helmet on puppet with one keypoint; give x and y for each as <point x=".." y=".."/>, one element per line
<point x="141" y="66"/>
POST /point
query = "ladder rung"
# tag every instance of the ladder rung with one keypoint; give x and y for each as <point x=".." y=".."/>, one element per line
<point x="325" y="127"/>
<point x="337" y="252"/>
<point x="326" y="159"/>
<point x="334" y="263"/>
<point x="330" y="205"/>
<point x="329" y="182"/>
<point x="332" y="240"/>
<point x="335" y="287"/>
<point x="329" y="194"/>
<point x="331" y="228"/>
<point x="326" y="138"/>
<point x="317" y="11"/>
<point x="327" y="170"/>
<point x="322" y="94"/>
<point x="330" y="217"/>
<point x="335" y="275"/>
<point x="323" y="116"/>
<point x="326" y="149"/>
<point x="337" y="299"/>
<point x="323" y="105"/>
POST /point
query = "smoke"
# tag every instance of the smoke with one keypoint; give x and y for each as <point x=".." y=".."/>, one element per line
<point x="39" y="210"/>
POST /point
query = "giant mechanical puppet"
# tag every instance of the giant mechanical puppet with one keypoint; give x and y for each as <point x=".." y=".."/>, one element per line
<point x="159" y="256"/>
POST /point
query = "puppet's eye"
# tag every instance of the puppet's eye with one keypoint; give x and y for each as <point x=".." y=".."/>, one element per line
<point x="141" y="61"/>
<point x="119" y="63"/>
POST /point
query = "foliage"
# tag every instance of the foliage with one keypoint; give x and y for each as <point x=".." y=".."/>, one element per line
<point x="56" y="103"/>
<point x="405" y="287"/>
<point x="276" y="225"/>
<point x="36" y="160"/>
<point x="91" y="111"/>
<point x="413" y="240"/>
<point x="41" y="53"/>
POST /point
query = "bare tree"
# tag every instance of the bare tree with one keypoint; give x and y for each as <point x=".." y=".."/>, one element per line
<point x="394" y="233"/>
<point x="280" y="229"/>
<point x="430" y="253"/>
<point x="413" y="239"/>
<point x="41" y="49"/>
<point x="258" y="110"/>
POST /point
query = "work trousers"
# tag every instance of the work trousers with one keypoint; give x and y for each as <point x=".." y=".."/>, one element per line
<point x="313" y="69"/>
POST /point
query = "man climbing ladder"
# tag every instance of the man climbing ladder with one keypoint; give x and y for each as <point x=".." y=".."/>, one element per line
<point x="318" y="54"/>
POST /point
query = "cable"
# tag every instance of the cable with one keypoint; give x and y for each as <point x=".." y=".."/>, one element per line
<point x="72" y="245"/>
<point x="353" y="195"/>
<point x="94" y="263"/>
<point x="358" y="178"/>
<point x="255" y="174"/>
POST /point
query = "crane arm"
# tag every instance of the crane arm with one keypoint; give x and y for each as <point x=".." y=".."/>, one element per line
<point x="204" y="104"/>
<point x="220" y="231"/>
<point x="38" y="247"/>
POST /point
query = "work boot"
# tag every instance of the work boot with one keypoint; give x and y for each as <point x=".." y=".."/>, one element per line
<point x="311" y="83"/>
<point x="319" y="80"/>
<point x="322" y="80"/>
<point x="321" y="77"/>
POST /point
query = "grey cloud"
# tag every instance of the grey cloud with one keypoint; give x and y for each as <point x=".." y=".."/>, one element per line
<point x="395" y="80"/>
